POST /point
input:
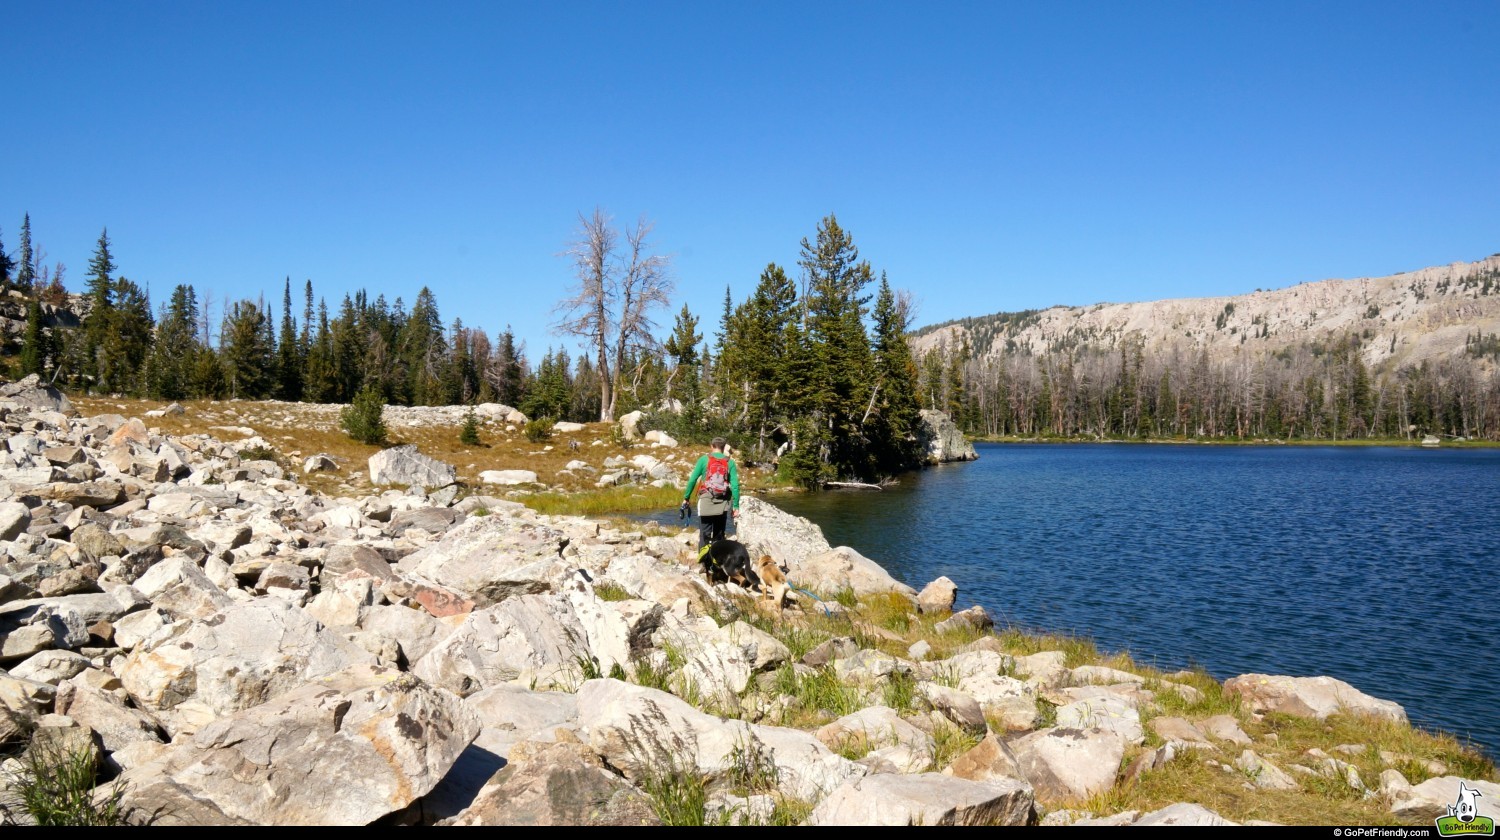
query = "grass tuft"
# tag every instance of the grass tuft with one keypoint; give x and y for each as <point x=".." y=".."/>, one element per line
<point x="54" y="785"/>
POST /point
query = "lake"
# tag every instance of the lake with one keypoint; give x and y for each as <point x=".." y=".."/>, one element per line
<point x="1372" y="565"/>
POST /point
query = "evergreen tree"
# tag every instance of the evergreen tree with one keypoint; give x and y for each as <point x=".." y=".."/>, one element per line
<point x="289" y="357"/>
<point x="6" y="266"/>
<point x="126" y="339"/>
<point x="91" y="363"/>
<point x="896" y="416"/>
<point x="26" y="267"/>
<point x="842" y="369"/>
<point x="506" y="373"/>
<point x="33" y="342"/>
<point x="682" y="354"/>
<point x="101" y="266"/>
<point x="247" y="352"/>
<point x="320" y="380"/>
<point x="175" y="350"/>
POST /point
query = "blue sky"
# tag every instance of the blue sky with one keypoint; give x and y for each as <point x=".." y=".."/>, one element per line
<point x="988" y="156"/>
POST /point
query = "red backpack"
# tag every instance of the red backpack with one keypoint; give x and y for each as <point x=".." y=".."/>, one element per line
<point x="716" y="479"/>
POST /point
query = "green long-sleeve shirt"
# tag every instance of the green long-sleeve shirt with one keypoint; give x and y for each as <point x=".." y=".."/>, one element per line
<point x="701" y="468"/>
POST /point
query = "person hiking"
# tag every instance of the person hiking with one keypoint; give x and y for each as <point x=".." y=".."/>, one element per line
<point x="719" y="496"/>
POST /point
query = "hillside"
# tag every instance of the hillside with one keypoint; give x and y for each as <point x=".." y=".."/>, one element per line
<point x="1403" y="319"/>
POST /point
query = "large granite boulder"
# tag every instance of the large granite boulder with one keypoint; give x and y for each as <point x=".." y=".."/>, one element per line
<point x="1314" y="697"/>
<point x="641" y="731"/>
<point x="925" y="799"/>
<point x="767" y="529"/>
<point x="1069" y="764"/>
<point x="32" y="393"/>
<point x="941" y="441"/>
<point x="345" y="749"/>
<point x="844" y="567"/>
<point x="558" y="783"/>
<point x="1432" y="798"/>
<point x="491" y="558"/>
<point x="405" y="465"/>
<point x="240" y="657"/>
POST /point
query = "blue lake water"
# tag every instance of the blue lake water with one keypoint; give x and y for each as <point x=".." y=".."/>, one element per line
<point x="1372" y="565"/>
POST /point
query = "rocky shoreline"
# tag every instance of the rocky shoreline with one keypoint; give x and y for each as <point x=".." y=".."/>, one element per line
<point x="234" y="648"/>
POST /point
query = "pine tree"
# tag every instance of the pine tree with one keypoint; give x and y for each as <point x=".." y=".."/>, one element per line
<point x="682" y="354"/>
<point x="126" y="341"/>
<point x="247" y="352"/>
<point x="6" y="266"/>
<point x="320" y="380"/>
<point x="174" y="352"/>
<point x="92" y="364"/>
<point x="289" y="360"/>
<point x="33" y="342"/>
<point x="896" y="417"/>
<point x="26" y="268"/>
<point x="842" y="369"/>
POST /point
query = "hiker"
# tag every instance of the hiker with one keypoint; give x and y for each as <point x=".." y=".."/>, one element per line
<point x="719" y="497"/>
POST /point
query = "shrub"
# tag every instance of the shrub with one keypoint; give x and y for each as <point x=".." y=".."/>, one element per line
<point x="363" y="419"/>
<point x="539" y="429"/>
<point x="258" y="453"/>
<point x="469" y="434"/>
<point x="54" y="785"/>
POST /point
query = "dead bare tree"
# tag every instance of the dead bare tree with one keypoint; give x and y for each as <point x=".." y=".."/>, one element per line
<point x="610" y="307"/>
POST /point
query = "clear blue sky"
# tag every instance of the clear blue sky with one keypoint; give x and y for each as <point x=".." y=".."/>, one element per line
<point x="988" y="156"/>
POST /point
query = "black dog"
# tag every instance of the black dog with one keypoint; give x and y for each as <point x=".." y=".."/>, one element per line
<point x="727" y="560"/>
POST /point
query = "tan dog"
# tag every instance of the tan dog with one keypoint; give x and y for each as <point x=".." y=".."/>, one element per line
<point x="773" y="583"/>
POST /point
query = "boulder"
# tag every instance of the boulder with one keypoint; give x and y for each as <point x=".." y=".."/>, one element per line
<point x="763" y="651"/>
<point x="1180" y="732"/>
<point x="842" y="567"/>
<point x="1008" y="699"/>
<point x="502" y="413"/>
<point x="1314" y="697"/>
<point x="1225" y="728"/>
<point x="433" y="520"/>
<point x="508" y="478"/>
<point x="240" y="657"/>
<point x="405" y="465"/>
<point x="876" y="727"/>
<point x="767" y="529"/>
<point x="416" y="632"/>
<point x="642" y="731"/>
<point x="1431" y="799"/>
<point x="565" y="426"/>
<point x="492" y="558"/>
<point x="973" y="618"/>
<point x="1263" y="774"/>
<point x="925" y="799"/>
<point x="319" y="463"/>
<point x="15" y="518"/>
<point x="1068" y="764"/>
<point x="938" y="596"/>
<point x="1109" y="712"/>
<point x="717" y="672"/>
<point x="95" y="494"/>
<point x="32" y="393"/>
<point x="179" y="587"/>
<point x="355" y="560"/>
<point x="530" y="639"/>
<point x="630" y="425"/>
<point x="989" y="760"/>
<point x="959" y="708"/>
<point x="344" y="749"/>
<point x="659" y="438"/>
<point x="560" y="783"/>
<point x="941" y="441"/>
<point x="1182" y="813"/>
<point x="117" y="725"/>
<point x="51" y="666"/>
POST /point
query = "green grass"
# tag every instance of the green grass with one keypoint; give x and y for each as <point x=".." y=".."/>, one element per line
<point x="54" y="785"/>
<point x="949" y="742"/>
<point x="629" y="499"/>
<point x="608" y="590"/>
<point x="900" y="692"/>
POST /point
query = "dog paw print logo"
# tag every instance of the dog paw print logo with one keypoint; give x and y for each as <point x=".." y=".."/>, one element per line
<point x="1463" y="819"/>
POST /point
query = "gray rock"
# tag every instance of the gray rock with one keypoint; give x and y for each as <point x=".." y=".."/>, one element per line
<point x="1069" y="764"/>
<point x="1183" y="813"/>
<point x="491" y="558"/>
<point x="1314" y="697"/>
<point x="925" y="799"/>
<point x="941" y="440"/>
<point x="1108" y="712"/>
<point x="319" y="463"/>
<point x="94" y="541"/>
<point x="1225" y="728"/>
<point x="508" y="477"/>
<point x="15" y="518"/>
<point x="355" y="560"/>
<point x="959" y="708"/>
<point x="1100" y="675"/>
<point x="1263" y="774"/>
<point x="32" y="393"/>
<point x="178" y="586"/>
<point x="1008" y="699"/>
<point x="1430" y="799"/>
<point x="528" y="638"/>
<point x="415" y="631"/>
<point x="405" y="465"/>
<point x="767" y="529"/>
<point x="988" y="760"/>
<point x="116" y="724"/>
<point x="937" y="596"/>
<point x="345" y="750"/>
<point x="1176" y="730"/>
<point x="640" y="731"/>
<point x="630" y="425"/>
<point x="433" y="520"/>
<point x="876" y="727"/>
<point x="842" y="567"/>
<point x="973" y="618"/>
<point x="561" y="784"/>
<point x="243" y="656"/>
<point x="95" y="494"/>
<point x="51" y="666"/>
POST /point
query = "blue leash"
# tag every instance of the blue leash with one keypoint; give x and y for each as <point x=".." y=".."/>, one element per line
<point x="826" y="611"/>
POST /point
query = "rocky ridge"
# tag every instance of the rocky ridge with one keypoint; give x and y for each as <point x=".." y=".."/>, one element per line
<point x="1407" y="318"/>
<point x="219" y="635"/>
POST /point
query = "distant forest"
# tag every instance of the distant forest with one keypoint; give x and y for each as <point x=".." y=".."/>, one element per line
<point x="1318" y="389"/>
<point x="816" y="377"/>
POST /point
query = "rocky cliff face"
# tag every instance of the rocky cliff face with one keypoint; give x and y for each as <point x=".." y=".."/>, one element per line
<point x="1404" y="319"/>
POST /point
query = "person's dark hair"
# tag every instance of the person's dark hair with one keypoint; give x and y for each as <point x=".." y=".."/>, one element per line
<point x="717" y="443"/>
